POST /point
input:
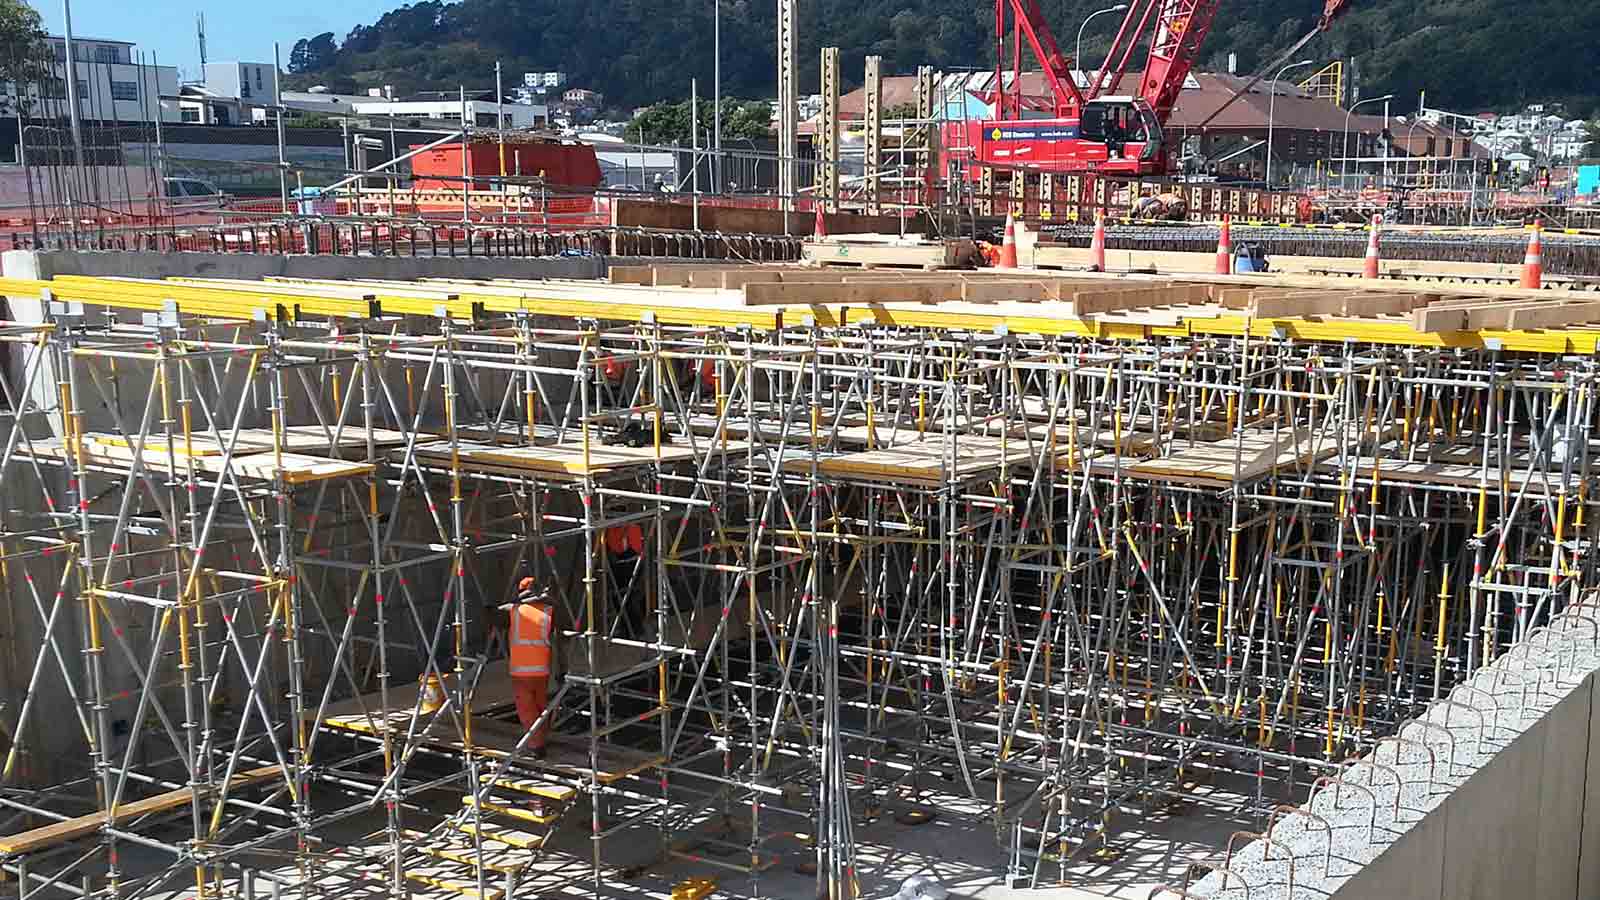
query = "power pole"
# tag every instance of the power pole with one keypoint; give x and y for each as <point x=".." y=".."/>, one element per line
<point x="719" y="184"/>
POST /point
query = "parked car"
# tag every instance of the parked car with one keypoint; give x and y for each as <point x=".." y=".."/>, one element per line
<point x="193" y="195"/>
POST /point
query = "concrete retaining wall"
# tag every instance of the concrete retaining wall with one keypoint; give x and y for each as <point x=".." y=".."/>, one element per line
<point x="1494" y="793"/>
<point x="252" y="265"/>
<point x="1175" y="262"/>
<point x="736" y="220"/>
<point x="1515" y="829"/>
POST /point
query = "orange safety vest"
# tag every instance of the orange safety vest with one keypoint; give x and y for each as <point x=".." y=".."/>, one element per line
<point x="531" y="626"/>
<point x="625" y="537"/>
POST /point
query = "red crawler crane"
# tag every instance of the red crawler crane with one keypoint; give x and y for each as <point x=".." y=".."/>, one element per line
<point x="1097" y="130"/>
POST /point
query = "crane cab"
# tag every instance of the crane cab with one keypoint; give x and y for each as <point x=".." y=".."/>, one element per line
<point x="1117" y="136"/>
<point x="1118" y="122"/>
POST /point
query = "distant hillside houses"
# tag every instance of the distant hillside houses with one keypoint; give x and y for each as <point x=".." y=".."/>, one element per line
<point x="1552" y="136"/>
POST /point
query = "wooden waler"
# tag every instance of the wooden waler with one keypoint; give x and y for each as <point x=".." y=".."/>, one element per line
<point x="1052" y="198"/>
<point x="510" y="199"/>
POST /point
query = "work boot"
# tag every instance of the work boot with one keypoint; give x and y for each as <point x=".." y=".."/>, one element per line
<point x="540" y="752"/>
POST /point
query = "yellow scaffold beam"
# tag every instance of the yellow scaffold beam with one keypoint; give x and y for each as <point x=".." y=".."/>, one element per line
<point x="362" y="299"/>
<point x="419" y="299"/>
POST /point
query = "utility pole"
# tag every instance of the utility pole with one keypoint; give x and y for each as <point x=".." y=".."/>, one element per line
<point x="716" y="88"/>
<point x="500" y="121"/>
<point x="694" y="147"/>
<point x="277" y="103"/>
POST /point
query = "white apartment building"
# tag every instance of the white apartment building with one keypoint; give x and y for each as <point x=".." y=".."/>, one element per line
<point x="544" y="80"/>
<point x="111" y="87"/>
<point x="231" y="93"/>
<point x="1568" y="145"/>
<point x="482" y="112"/>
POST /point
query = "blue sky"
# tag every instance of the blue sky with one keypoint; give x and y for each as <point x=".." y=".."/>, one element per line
<point x="234" y="30"/>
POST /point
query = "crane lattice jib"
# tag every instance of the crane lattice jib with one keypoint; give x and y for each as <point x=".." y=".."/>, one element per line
<point x="1331" y="11"/>
<point x="1180" y="30"/>
<point x="1029" y="23"/>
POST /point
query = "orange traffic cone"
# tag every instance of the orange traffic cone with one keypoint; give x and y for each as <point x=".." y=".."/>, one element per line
<point x="1225" y="247"/>
<point x="1372" y="248"/>
<point x="821" y="228"/>
<point x="1533" y="264"/>
<point x="432" y="694"/>
<point x="1008" y="249"/>
<point x="1097" y="249"/>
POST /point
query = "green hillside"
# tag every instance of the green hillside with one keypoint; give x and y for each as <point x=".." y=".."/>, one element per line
<point x="1469" y="55"/>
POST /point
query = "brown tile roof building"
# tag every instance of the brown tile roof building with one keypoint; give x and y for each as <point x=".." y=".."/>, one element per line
<point x="1305" y="129"/>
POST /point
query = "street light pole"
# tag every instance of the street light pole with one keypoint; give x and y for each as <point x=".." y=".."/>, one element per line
<point x="716" y="90"/>
<point x="1272" y="109"/>
<point x="1344" y="165"/>
<point x="1388" y="144"/>
<point x="1077" y="59"/>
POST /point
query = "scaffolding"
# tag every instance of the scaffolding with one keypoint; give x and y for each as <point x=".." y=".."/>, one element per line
<point x="1327" y="84"/>
<point x="1063" y="568"/>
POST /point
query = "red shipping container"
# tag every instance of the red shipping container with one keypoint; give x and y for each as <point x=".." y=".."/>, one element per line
<point x="562" y="165"/>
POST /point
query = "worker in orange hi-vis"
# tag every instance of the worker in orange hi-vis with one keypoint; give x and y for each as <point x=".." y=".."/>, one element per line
<point x="531" y="657"/>
<point x="625" y="541"/>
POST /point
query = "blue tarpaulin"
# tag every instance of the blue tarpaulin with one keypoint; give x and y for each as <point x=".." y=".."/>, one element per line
<point x="1588" y="180"/>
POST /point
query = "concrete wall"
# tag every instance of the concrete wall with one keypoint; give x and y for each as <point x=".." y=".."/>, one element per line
<point x="259" y="265"/>
<point x="680" y="216"/>
<point x="1524" y="826"/>
<point x="1179" y="262"/>
<point x="1492" y="793"/>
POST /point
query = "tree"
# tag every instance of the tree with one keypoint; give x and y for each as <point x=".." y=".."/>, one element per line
<point x="1467" y="54"/>
<point x="314" y="120"/>
<point x="313" y="54"/>
<point x="23" y="53"/>
<point x="665" y="123"/>
<point x="1591" y="134"/>
<point x="746" y="121"/>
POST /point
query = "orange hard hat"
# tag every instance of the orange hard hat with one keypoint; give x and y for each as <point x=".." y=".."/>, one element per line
<point x="526" y="584"/>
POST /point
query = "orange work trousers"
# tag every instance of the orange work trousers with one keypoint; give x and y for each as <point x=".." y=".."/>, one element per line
<point x="533" y="695"/>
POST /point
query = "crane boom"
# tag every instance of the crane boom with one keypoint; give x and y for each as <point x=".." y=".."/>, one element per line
<point x="1099" y="129"/>
<point x="1180" y="30"/>
<point x="1028" y="22"/>
<point x="1330" y="12"/>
